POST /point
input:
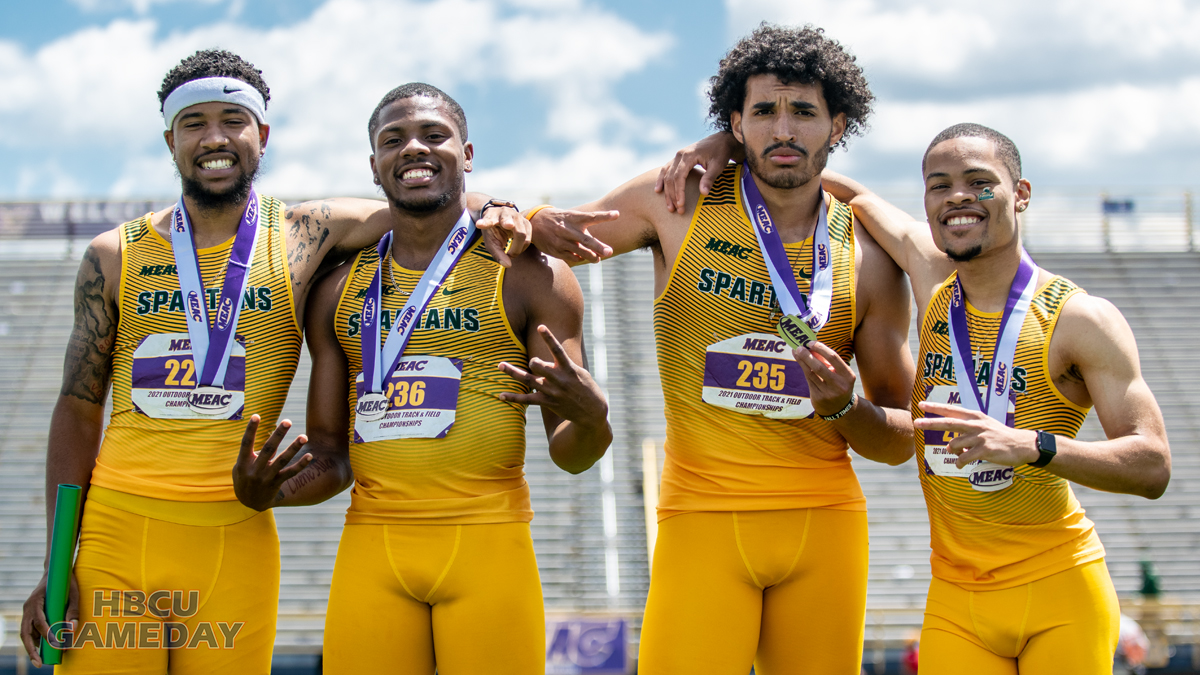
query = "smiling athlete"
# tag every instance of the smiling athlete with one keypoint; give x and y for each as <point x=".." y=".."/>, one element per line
<point x="416" y="343"/>
<point x="1019" y="579"/>
<point x="192" y="315"/>
<point x="761" y="554"/>
<point x="1020" y="583"/>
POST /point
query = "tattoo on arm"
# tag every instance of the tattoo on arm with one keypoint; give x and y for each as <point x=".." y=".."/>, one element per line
<point x="310" y="473"/>
<point x="87" y="367"/>
<point x="309" y="234"/>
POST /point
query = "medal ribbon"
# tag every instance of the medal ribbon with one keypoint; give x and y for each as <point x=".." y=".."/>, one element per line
<point x="815" y="310"/>
<point x="461" y="237"/>
<point x="994" y="399"/>
<point x="211" y="348"/>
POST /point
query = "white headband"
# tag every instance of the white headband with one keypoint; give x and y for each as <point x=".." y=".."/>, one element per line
<point x="209" y="89"/>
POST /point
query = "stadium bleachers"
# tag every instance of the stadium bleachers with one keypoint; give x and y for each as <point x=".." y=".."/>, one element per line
<point x="590" y="561"/>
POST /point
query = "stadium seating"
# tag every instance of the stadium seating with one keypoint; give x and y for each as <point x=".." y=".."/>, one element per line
<point x="587" y="567"/>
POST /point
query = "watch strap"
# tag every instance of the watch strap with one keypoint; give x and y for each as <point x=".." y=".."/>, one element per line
<point x="1047" y="449"/>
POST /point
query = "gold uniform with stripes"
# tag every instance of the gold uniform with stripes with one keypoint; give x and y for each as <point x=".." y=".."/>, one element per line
<point x="161" y="514"/>
<point x="437" y="541"/>
<point x="762" y="549"/>
<point x="1019" y="573"/>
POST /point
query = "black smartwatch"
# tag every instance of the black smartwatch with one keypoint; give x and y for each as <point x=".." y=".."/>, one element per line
<point x="1046" y="447"/>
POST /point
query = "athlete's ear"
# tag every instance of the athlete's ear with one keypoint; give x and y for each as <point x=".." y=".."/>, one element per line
<point x="264" y="130"/>
<point x="1022" y="195"/>
<point x="735" y="125"/>
<point x="839" y="128"/>
<point x="374" y="173"/>
<point x="169" y="137"/>
<point x="468" y="155"/>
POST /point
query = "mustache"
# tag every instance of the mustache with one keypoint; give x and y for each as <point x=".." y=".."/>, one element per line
<point x="784" y="144"/>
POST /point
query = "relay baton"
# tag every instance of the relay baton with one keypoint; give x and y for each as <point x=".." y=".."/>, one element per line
<point x="58" y="576"/>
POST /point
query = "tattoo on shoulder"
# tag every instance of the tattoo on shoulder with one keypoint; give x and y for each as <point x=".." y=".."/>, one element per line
<point x="87" y="367"/>
<point x="309" y="233"/>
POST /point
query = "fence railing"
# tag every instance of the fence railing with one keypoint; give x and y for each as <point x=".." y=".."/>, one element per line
<point x="1058" y="219"/>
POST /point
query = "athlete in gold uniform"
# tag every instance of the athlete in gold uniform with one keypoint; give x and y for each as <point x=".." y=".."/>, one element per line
<point x="436" y="567"/>
<point x="1019" y="580"/>
<point x="761" y="554"/>
<point x="1020" y="583"/>
<point x="161" y="515"/>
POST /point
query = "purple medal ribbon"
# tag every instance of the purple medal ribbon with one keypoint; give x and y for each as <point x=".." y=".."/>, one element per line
<point x="813" y="311"/>
<point x="461" y="237"/>
<point x="993" y="401"/>
<point x="212" y="347"/>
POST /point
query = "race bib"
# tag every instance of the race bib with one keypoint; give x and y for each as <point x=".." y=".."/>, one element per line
<point x="164" y="376"/>
<point x="755" y="374"/>
<point x="983" y="476"/>
<point x="421" y="396"/>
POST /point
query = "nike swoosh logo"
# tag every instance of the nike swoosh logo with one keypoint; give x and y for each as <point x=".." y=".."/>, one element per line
<point x="448" y="291"/>
<point x="227" y="90"/>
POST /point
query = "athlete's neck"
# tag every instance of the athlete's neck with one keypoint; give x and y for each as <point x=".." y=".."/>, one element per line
<point x="988" y="277"/>
<point x="214" y="226"/>
<point x="416" y="236"/>
<point x="793" y="210"/>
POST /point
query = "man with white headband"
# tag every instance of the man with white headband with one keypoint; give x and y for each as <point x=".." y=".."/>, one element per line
<point x="193" y="316"/>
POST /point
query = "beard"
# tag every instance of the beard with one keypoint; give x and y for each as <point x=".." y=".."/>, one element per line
<point x="966" y="254"/>
<point x="428" y="204"/>
<point x="787" y="180"/>
<point x="210" y="200"/>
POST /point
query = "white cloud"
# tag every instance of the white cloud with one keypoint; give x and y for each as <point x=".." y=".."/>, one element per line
<point x="91" y="95"/>
<point x="912" y="38"/>
<point x="1091" y="90"/>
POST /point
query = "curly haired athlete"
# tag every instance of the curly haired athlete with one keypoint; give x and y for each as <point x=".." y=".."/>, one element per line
<point x="762" y="547"/>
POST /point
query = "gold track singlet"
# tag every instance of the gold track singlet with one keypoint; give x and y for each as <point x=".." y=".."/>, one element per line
<point x="152" y="447"/>
<point x="1035" y="527"/>
<point x="475" y="473"/>
<point x="735" y="453"/>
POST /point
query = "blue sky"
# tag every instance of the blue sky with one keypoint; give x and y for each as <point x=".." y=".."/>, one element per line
<point x="567" y="98"/>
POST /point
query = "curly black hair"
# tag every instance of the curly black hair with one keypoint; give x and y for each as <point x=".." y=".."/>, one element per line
<point x="800" y="55"/>
<point x="213" y="63"/>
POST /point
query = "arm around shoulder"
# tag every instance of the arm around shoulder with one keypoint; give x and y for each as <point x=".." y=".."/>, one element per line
<point x="621" y="221"/>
